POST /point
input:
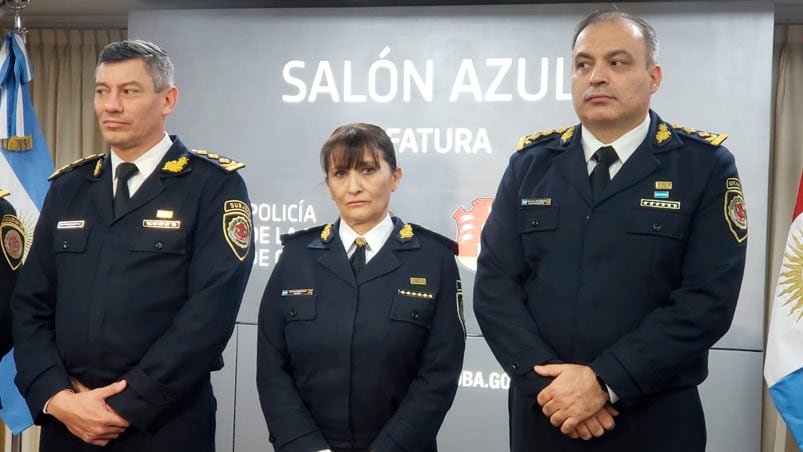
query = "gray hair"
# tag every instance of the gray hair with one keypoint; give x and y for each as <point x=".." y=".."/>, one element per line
<point x="647" y="32"/>
<point x="157" y="63"/>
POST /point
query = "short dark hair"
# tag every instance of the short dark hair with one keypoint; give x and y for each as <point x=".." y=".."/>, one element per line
<point x="346" y="147"/>
<point x="157" y="63"/>
<point x="647" y="32"/>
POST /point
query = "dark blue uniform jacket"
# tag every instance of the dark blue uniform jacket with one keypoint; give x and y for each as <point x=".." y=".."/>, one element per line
<point x="150" y="297"/>
<point x="371" y="362"/>
<point x="638" y="284"/>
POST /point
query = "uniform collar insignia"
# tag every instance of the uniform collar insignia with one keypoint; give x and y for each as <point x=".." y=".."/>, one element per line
<point x="326" y="234"/>
<point x="406" y="233"/>
<point x="176" y="166"/>
<point x="662" y="134"/>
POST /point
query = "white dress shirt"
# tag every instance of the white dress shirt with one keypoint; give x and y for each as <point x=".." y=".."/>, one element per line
<point x="146" y="164"/>
<point x="624" y="146"/>
<point x="376" y="237"/>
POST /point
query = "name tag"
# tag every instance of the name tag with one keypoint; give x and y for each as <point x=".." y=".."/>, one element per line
<point x="297" y="292"/>
<point x="70" y="224"/>
<point x="536" y="201"/>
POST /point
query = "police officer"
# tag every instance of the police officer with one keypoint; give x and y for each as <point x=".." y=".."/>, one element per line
<point x="12" y="233"/>
<point x="360" y="328"/>
<point x="133" y="284"/>
<point x="611" y="261"/>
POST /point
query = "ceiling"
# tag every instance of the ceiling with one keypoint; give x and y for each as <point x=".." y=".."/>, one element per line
<point x="113" y="13"/>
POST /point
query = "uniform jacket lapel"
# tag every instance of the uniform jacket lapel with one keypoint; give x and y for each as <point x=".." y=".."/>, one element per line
<point x="154" y="184"/>
<point x="571" y="164"/>
<point x="387" y="260"/>
<point x="334" y="258"/>
<point x="101" y="194"/>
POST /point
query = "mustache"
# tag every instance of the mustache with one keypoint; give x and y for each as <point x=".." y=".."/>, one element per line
<point x="593" y="91"/>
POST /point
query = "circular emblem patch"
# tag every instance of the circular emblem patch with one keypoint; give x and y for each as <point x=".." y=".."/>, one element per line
<point x="12" y="242"/>
<point x="737" y="211"/>
<point x="239" y="231"/>
<point x="237" y="227"/>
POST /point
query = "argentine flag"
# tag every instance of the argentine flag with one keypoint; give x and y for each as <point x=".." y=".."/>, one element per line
<point x="24" y="169"/>
<point x="783" y="368"/>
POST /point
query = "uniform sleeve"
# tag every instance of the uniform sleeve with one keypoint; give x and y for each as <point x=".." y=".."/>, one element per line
<point x="699" y="311"/>
<point x="500" y="301"/>
<point x="416" y="422"/>
<point x="192" y="346"/>
<point x="292" y="427"/>
<point x="8" y="279"/>
<point x="40" y="371"/>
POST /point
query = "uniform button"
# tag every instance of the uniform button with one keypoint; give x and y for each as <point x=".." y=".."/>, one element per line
<point x="514" y="366"/>
<point x="657" y="227"/>
<point x="159" y="245"/>
<point x="535" y="222"/>
<point x="292" y="312"/>
<point x="272" y="438"/>
<point x="415" y="315"/>
<point x="65" y="245"/>
<point x="589" y="217"/>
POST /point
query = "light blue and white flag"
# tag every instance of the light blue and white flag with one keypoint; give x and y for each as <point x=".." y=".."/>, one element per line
<point x="24" y="168"/>
<point x="783" y="368"/>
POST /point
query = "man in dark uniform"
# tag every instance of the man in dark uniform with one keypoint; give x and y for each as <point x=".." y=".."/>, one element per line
<point x="12" y="234"/>
<point x="611" y="261"/>
<point x="132" y="287"/>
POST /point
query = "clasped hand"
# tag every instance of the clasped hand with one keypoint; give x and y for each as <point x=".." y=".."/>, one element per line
<point x="575" y="401"/>
<point x="86" y="414"/>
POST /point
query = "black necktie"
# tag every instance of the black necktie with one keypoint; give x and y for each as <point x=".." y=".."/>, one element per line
<point x="601" y="175"/>
<point x="124" y="172"/>
<point x="358" y="258"/>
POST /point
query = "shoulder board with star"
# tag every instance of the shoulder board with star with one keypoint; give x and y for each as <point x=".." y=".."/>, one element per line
<point x="97" y="158"/>
<point x="309" y="232"/>
<point x="4" y="193"/>
<point x="714" y="139"/>
<point x="225" y="163"/>
<point x="565" y="133"/>
<point x="450" y="244"/>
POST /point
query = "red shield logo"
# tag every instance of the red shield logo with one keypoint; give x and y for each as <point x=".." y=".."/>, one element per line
<point x="469" y="227"/>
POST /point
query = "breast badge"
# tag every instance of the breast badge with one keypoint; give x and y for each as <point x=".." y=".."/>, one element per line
<point x="237" y="227"/>
<point x="13" y="236"/>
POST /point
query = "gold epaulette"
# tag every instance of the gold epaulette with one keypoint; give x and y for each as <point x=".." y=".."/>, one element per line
<point x="224" y="162"/>
<point x="714" y="139"/>
<point x="566" y="134"/>
<point x="4" y="193"/>
<point x="71" y="166"/>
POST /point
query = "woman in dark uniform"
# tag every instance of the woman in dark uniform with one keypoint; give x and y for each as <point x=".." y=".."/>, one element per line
<point x="361" y="334"/>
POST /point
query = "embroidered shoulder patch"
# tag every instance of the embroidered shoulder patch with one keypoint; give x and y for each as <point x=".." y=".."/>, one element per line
<point x="12" y="233"/>
<point x="237" y="227"/>
<point x="735" y="209"/>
